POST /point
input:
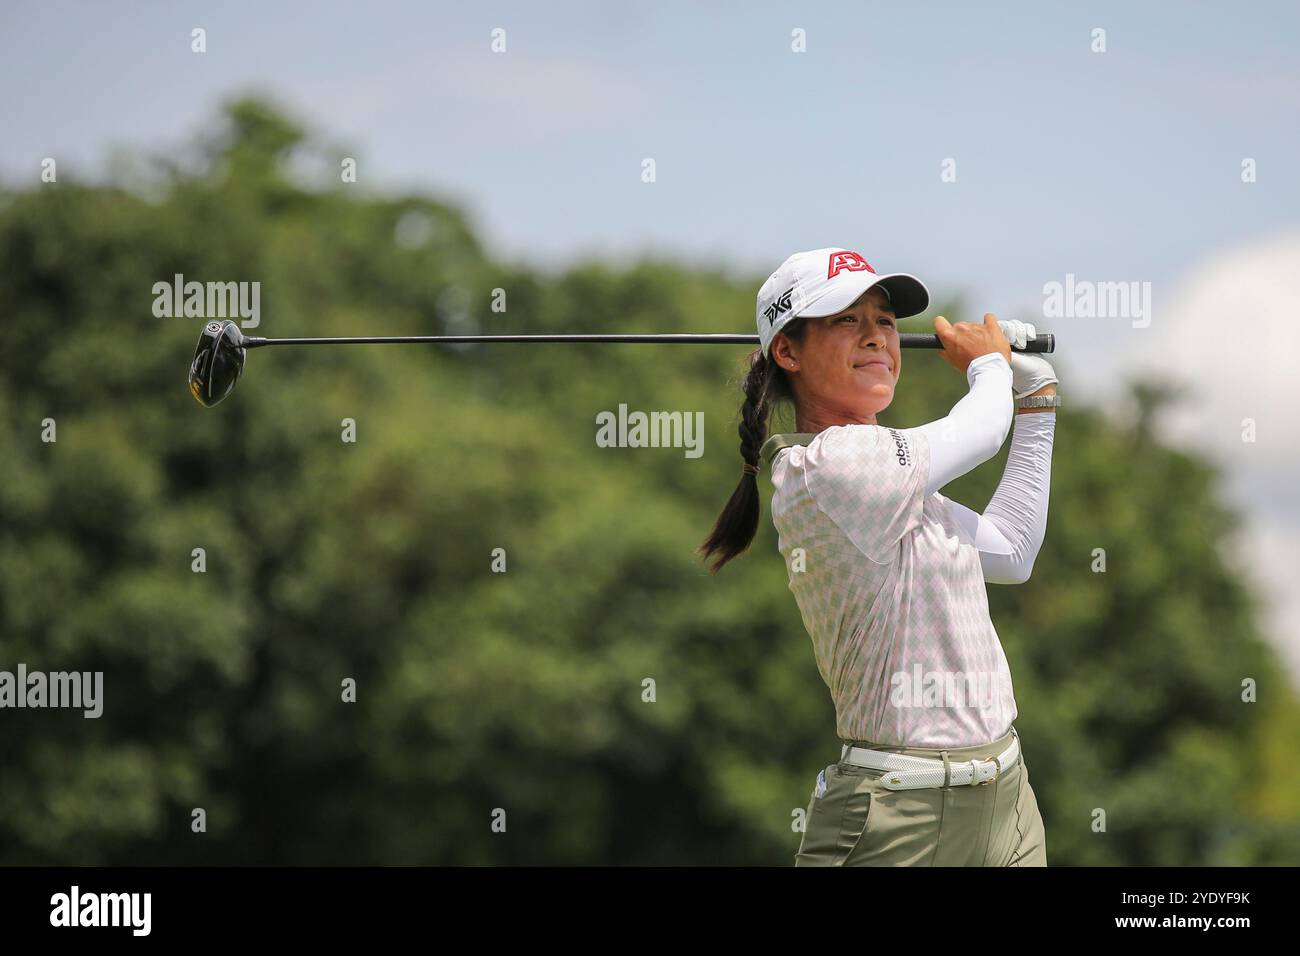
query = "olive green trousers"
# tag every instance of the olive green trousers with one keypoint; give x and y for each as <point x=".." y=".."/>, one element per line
<point x="853" y="821"/>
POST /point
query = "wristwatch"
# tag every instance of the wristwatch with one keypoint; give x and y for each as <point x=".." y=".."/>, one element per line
<point x="1039" y="401"/>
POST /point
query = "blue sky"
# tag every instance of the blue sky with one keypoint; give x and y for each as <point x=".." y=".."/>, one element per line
<point x="1122" y="164"/>
<point x="1115" y="166"/>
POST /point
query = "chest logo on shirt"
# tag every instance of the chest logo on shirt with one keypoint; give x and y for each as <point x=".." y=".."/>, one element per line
<point x="847" y="262"/>
<point x="901" y="451"/>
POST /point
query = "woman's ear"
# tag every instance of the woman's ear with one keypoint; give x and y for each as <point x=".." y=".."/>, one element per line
<point x="782" y="354"/>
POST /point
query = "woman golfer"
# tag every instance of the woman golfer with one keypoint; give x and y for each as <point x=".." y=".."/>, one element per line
<point x="889" y="574"/>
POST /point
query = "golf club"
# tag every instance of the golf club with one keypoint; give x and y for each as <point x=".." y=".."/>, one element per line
<point x="219" y="358"/>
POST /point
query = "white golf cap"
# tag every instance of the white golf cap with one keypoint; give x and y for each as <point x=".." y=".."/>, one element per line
<point x="822" y="282"/>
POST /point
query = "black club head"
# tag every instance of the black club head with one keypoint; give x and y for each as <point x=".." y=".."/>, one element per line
<point x="218" y="362"/>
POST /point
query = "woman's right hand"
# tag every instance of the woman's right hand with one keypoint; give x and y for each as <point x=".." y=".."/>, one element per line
<point x="966" y="341"/>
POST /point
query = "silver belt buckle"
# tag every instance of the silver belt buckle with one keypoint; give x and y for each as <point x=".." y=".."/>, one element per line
<point x="997" y="771"/>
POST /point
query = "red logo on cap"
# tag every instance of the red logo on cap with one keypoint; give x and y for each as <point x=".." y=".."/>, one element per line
<point x="847" y="261"/>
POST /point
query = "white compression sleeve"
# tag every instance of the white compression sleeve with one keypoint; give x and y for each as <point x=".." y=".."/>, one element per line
<point x="976" y="427"/>
<point x="1011" y="530"/>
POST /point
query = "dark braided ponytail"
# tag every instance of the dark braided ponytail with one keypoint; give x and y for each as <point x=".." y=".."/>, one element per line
<point x="765" y="385"/>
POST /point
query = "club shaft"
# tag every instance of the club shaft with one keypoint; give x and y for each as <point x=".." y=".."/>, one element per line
<point x="907" y="340"/>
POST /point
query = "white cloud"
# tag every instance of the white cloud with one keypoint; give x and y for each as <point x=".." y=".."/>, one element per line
<point x="1228" y="334"/>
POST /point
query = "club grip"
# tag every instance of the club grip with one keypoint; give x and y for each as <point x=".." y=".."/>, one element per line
<point x="1044" y="342"/>
<point x="1041" y="343"/>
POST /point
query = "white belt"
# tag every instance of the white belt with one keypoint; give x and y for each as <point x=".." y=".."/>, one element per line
<point x="906" y="772"/>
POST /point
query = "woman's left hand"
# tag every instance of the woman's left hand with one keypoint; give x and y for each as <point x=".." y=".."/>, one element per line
<point x="1029" y="373"/>
<point x="1029" y="370"/>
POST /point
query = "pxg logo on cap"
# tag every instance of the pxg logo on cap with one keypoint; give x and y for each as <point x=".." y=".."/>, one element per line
<point x="822" y="282"/>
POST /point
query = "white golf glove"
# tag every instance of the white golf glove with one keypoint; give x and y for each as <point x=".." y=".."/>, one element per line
<point x="1017" y="333"/>
<point x="1029" y="370"/>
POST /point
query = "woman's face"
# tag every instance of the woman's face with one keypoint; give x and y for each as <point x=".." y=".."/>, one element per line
<point x="845" y="368"/>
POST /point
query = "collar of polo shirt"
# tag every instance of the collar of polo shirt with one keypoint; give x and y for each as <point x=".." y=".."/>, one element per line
<point x="776" y="442"/>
